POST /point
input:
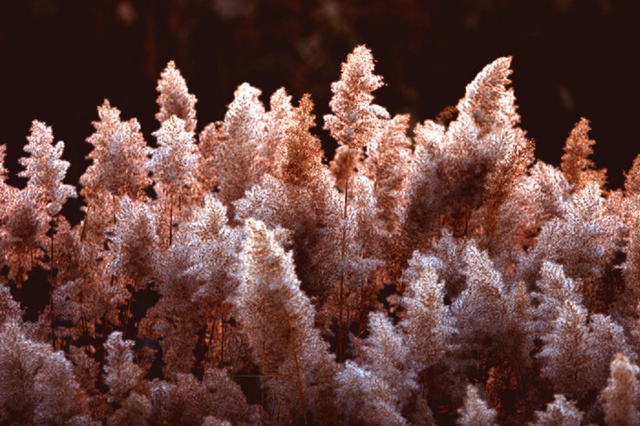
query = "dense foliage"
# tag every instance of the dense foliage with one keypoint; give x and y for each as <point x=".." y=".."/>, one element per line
<point x="235" y="277"/>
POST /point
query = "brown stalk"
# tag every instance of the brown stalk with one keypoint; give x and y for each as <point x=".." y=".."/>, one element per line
<point x="295" y="359"/>
<point x="264" y="362"/>
<point x="84" y="223"/>
<point x="262" y="375"/>
<point x="343" y="254"/>
<point x="207" y="354"/>
<point x="222" y="342"/>
<point x="126" y="318"/>
<point x="85" y="331"/>
<point x="170" y="221"/>
<point x="51" y="285"/>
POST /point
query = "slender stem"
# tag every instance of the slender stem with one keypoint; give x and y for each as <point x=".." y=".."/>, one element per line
<point x="51" y="285"/>
<point x="113" y="204"/>
<point x="170" y="221"/>
<point x="85" y="331"/>
<point x="262" y="374"/>
<point x="126" y="319"/>
<point x="208" y="345"/>
<point x="222" y="341"/>
<point x="84" y="223"/>
<point x="295" y="359"/>
<point x="211" y="336"/>
<point x="343" y="255"/>
<point x="263" y="361"/>
<point x="346" y="185"/>
<point x="51" y="258"/>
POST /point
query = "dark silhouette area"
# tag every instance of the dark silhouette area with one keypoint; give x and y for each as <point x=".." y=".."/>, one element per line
<point x="572" y="59"/>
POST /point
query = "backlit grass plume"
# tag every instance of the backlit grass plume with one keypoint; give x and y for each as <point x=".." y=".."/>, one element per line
<point x="232" y="275"/>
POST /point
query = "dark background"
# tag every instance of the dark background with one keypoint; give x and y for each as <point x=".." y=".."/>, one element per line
<point x="572" y="58"/>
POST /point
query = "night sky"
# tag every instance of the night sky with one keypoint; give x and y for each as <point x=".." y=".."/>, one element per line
<point x="571" y="59"/>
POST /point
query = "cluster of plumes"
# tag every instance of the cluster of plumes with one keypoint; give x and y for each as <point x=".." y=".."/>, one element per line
<point x="236" y="277"/>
